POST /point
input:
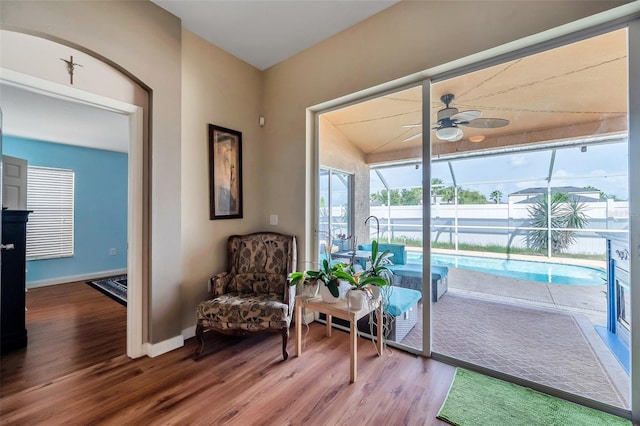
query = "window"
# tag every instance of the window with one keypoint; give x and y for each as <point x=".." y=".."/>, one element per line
<point x="336" y="207"/>
<point x="50" y="227"/>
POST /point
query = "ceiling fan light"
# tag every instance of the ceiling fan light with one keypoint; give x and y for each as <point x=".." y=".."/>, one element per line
<point x="476" y="138"/>
<point x="449" y="133"/>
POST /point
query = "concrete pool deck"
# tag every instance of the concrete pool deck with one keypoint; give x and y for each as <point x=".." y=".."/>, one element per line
<point x="588" y="300"/>
<point x="541" y="332"/>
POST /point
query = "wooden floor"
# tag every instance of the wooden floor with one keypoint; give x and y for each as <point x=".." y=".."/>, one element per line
<point x="74" y="371"/>
<point x="69" y="327"/>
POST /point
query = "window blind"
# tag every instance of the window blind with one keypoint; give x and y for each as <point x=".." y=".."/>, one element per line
<point x="50" y="195"/>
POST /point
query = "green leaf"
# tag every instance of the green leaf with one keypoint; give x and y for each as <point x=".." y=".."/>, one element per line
<point x="295" y="278"/>
<point x="332" y="285"/>
<point x="377" y="281"/>
<point x="325" y="265"/>
<point x="374" y="250"/>
<point x="347" y="277"/>
<point x="313" y="275"/>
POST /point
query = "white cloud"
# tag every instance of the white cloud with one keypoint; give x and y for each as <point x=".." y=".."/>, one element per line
<point x="518" y="161"/>
<point x="598" y="172"/>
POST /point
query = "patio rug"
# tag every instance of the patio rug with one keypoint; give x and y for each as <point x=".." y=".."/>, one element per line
<point x="114" y="287"/>
<point x="475" y="399"/>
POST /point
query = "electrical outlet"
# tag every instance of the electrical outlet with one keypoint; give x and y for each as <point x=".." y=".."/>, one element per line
<point x="112" y="252"/>
<point x="273" y="219"/>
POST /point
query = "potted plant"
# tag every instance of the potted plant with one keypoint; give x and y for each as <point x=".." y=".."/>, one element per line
<point x="366" y="282"/>
<point x="379" y="262"/>
<point x="361" y="288"/>
<point x="326" y="274"/>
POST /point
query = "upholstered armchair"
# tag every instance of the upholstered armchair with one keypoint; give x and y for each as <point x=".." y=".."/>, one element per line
<point x="253" y="295"/>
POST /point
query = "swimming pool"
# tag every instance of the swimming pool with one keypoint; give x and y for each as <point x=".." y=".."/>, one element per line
<point x="544" y="272"/>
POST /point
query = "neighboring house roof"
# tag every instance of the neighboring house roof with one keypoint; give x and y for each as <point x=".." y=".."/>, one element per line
<point x="572" y="197"/>
<point x="554" y="189"/>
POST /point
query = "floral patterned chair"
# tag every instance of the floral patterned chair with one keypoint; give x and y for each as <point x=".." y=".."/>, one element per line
<point x="254" y="295"/>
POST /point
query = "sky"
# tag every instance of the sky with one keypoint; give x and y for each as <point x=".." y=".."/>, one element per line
<point x="602" y="166"/>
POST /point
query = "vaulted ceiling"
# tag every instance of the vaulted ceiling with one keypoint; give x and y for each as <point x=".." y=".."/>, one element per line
<point x="263" y="33"/>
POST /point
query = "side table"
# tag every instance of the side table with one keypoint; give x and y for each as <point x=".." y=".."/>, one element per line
<point x="339" y="310"/>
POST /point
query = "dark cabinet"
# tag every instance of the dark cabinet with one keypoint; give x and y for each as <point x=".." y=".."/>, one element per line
<point x="13" y="265"/>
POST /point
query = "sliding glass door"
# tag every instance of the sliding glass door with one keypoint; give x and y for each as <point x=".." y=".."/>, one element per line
<point x="528" y="268"/>
<point x="530" y="219"/>
<point x="375" y="147"/>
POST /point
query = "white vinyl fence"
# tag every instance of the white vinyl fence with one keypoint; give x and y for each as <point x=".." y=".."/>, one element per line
<point x="505" y="224"/>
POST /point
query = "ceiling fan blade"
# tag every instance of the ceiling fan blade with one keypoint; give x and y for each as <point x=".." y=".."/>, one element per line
<point x="410" y="138"/>
<point x="486" y="123"/>
<point x="466" y="115"/>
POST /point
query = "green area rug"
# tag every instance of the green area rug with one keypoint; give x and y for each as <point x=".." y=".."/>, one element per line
<point x="475" y="399"/>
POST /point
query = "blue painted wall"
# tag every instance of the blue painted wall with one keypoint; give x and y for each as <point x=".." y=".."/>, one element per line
<point x="100" y="211"/>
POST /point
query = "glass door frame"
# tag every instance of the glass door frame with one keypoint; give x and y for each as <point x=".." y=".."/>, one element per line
<point x="634" y="206"/>
<point x="350" y="201"/>
<point x="605" y="22"/>
<point x="633" y="25"/>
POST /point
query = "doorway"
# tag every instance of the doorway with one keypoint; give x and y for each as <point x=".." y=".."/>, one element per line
<point x="136" y="209"/>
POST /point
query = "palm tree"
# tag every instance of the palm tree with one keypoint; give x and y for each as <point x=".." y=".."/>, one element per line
<point x="495" y="196"/>
<point x="565" y="213"/>
<point x="575" y="217"/>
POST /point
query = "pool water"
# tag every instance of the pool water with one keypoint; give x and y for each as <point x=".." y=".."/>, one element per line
<point x="544" y="272"/>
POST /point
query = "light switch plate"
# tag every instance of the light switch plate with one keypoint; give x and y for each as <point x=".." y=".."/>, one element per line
<point x="273" y="219"/>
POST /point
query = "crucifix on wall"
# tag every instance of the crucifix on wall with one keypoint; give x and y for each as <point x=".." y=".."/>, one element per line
<point x="70" y="67"/>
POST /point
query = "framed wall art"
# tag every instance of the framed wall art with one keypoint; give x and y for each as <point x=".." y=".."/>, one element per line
<point x="225" y="173"/>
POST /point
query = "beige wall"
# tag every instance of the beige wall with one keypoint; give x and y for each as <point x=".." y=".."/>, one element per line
<point x="43" y="62"/>
<point x="143" y="41"/>
<point x="337" y="152"/>
<point x="220" y="89"/>
<point x="407" y="38"/>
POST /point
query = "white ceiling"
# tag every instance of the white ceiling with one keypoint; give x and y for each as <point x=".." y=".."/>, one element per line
<point x="34" y="116"/>
<point x="265" y="32"/>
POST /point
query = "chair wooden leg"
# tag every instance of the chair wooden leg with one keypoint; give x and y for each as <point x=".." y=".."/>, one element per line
<point x="200" y="339"/>
<point x="285" y="339"/>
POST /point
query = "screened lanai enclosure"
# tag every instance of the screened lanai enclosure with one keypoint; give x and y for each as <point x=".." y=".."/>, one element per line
<point x="553" y="200"/>
<point x="511" y="242"/>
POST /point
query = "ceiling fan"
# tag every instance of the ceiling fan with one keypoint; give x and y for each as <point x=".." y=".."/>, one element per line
<point x="449" y="119"/>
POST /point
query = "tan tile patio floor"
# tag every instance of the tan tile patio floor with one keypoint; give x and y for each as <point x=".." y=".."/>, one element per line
<point x="539" y="332"/>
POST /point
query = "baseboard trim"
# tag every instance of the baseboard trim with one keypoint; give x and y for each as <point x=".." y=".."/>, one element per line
<point x="189" y="332"/>
<point x="73" y="278"/>
<point x="156" y="349"/>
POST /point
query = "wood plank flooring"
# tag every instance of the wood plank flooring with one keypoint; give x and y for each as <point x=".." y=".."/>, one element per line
<point x="69" y="327"/>
<point x="74" y="371"/>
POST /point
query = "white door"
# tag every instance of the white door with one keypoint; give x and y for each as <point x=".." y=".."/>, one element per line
<point x="14" y="183"/>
